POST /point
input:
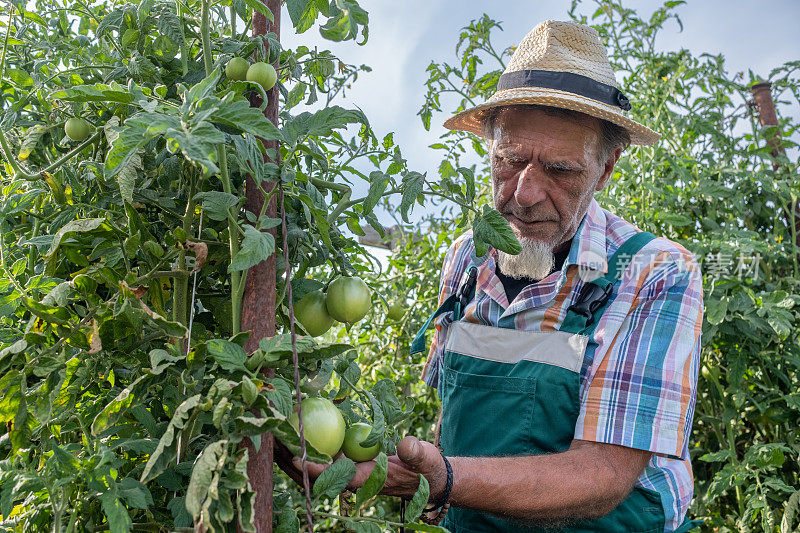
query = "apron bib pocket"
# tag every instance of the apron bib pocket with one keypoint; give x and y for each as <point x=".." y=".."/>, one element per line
<point x="492" y="402"/>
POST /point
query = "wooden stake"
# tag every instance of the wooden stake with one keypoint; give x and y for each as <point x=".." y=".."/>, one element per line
<point x="258" y="302"/>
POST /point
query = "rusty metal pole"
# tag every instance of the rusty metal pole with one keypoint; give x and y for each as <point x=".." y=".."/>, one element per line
<point x="258" y="301"/>
<point x="762" y="100"/>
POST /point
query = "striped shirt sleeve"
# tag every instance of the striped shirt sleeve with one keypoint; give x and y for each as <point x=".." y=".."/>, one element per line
<point x="642" y="391"/>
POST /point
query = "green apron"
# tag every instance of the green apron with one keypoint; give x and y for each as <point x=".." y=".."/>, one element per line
<point x="512" y="392"/>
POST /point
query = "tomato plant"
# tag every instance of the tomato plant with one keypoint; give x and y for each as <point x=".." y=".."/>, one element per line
<point x="131" y="395"/>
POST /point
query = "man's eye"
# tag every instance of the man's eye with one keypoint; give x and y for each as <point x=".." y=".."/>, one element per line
<point x="559" y="169"/>
<point x="511" y="160"/>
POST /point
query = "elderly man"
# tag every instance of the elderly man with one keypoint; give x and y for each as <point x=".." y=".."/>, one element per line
<point x="567" y="373"/>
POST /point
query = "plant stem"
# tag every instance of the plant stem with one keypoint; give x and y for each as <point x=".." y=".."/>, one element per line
<point x="205" y="34"/>
<point x="180" y="292"/>
<point x="21" y="174"/>
<point x="237" y="285"/>
<point x="5" y="43"/>
<point x="793" y="227"/>
<point x="34" y="251"/>
<point x="360" y="519"/>
<point x="184" y="48"/>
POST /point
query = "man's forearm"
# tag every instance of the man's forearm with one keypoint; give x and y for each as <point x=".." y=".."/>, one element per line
<point x="587" y="481"/>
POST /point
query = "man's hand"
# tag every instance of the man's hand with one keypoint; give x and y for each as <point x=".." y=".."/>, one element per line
<point x="413" y="457"/>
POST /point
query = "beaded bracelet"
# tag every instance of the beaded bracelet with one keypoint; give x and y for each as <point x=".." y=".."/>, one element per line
<point x="443" y="503"/>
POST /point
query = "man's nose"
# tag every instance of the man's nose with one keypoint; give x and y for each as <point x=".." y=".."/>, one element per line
<point x="530" y="187"/>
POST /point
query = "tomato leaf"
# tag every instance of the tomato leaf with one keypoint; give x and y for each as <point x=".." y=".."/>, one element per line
<point x="134" y="493"/>
<point x="111" y="413"/>
<point x="217" y="204"/>
<point x="166" y="448"/>
<point x="98" y="92"/>
<point x="287" y="521"/>
<point x="322" y="122"/>
<point x="419" y="501"/>
<point x="229" y="355"/>
<point x="412" y="188"/>
<point x="491" y="229"/>
<point x="279" y="393"/>
<point x="262" y="8"/>
<point x="168" y="23"/>
<point x="378" y="421"/>
<point x="305" y="12"/>
<point x="374" y="482"/>
<point x="335" y="478"/>
<point x="75" y="226"/>
<point x="257" y="246"/>
<point x="204" y="473"/>
<point x="426" y="528"/>
<point x="119" y="521"/>
<point x="377" y="185"/>
<point x="238" y="114"/>
<point x="362" y="527"/>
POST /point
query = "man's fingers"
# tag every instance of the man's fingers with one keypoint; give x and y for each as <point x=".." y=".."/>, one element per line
<point x="419" y="456"/>
<point x="363" y="471"/>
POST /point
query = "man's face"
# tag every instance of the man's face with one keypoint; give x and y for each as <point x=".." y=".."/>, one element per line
<point x="544" y="172"/>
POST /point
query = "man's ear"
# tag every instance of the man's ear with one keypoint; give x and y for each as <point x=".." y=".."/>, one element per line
<point x="608" y="168"/>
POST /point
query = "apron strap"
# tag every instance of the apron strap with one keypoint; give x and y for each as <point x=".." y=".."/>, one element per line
<point x="455" y="303"/>
<point x="582" y="316"/>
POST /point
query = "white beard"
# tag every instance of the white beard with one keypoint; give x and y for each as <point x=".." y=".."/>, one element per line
<point x="535" y="261"/>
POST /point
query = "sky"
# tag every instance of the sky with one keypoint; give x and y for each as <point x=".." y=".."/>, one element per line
<point x="406" y="36"/>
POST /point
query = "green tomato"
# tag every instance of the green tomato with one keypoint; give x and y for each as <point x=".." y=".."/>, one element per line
<point x="396" y="311"/>
<point x="323" y="425"/>
<point x="263" y="74"/>
<point x="311" y="312"/>
<point x="348" y="299"/>
<point x="352" y="447"/>
<point x="77" y="129"/>
<point x="236" y="69"/>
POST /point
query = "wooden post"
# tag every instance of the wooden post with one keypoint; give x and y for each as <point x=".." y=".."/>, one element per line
<point x="258" y="301"/>
<point x="762" y="100"/>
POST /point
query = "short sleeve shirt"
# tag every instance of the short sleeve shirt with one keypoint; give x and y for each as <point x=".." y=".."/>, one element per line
<point x="638" y="379"/>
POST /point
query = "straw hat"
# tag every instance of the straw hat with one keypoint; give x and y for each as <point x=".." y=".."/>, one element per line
<point x="559" y="64"/>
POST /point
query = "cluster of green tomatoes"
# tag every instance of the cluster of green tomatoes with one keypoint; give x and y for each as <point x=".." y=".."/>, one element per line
<point x="237" y="69"/>
<point x="324" y="428"/>
<point x="348" y="299"/>
<point x="264" y="74"/>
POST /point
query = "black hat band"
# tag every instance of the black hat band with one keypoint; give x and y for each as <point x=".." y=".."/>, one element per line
<point x="565" y="81"/>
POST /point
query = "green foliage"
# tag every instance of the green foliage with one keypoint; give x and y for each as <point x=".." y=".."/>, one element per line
<point x="127" y="391"/>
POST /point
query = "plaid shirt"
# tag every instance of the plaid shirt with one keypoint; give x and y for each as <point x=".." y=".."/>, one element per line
<point x="638" y="383"/>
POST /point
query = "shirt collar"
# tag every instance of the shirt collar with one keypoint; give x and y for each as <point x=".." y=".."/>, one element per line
<point x="588" y="249"/>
